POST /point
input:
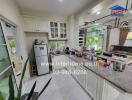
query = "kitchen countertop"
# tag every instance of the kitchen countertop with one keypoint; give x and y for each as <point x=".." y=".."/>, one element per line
<point x="122" y="80"/>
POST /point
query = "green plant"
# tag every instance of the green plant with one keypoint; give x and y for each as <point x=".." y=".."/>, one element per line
<point x="99" y="52"/>
<point x="96" y="39"/>
<point x="11" y="89"/>
<point x="92" y="40"/>
<point x="52" y="44"/>
<point x="29" y="96"/>
<point x="32" y="91"/>
<point x="1" y="96"/>
<point x="11" y="43"/>
<point x="21" y="80"/>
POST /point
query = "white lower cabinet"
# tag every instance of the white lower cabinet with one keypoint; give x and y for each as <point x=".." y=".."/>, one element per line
<point x="83" y="79"/>
<point x="110" y="92"/>
<point x="88" y="80"/>
<point x="91" y="83"/>
<point x="96" y="86"/>
<point x="99" y="88"/>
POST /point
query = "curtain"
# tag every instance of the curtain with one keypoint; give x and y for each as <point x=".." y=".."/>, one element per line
<point x="123" y="35"/>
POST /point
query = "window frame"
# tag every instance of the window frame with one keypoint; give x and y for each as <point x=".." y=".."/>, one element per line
<point x="5" y="44"/>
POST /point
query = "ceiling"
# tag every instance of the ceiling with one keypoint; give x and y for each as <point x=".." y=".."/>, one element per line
<point x="58" y="7"/>
<point x="107" y="11"/>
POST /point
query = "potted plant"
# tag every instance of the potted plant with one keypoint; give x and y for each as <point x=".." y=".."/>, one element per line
<point x="29" y="96"/>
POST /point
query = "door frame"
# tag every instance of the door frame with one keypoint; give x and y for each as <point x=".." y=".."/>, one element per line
<point x="14" y="73"/>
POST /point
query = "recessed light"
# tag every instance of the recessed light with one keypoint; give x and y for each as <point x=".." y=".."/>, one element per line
<point x="98" y="12"/>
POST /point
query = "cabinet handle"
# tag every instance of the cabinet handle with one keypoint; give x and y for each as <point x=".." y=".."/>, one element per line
<point x="37" y="30"/>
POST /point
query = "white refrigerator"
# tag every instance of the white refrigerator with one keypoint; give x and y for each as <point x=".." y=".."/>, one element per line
<point x="41" y="56"/>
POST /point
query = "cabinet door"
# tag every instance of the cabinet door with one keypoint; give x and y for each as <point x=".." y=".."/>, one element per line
<point x="63" y="30"/>
<point x="29" y="24"/>
<point x="82" y="77"/>
<point x="71" y="66"/>
<point x="38" y="27"/>
<point x="54" y="30"/>
<point x="91" y="82"/>
<point x="68" y="66"/>
<point x="100" y="88"/>
<point x="41" y="26"/>
<point x="109" y="93"/>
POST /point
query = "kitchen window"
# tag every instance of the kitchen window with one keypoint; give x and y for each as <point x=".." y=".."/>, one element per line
<point x="57" y="45"/>
<point x="95" y="37"/>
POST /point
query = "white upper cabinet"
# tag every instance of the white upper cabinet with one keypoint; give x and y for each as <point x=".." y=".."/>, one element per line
<point x="62" y="30"/>
<point x="29" y="24"/>
<point x="32" y="24"/>
<point x="57" y="31"/>
<point x="54" y="30"/>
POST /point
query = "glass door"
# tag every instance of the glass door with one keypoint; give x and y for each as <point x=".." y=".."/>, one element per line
<point x="4" y="83"/>
<point x="9" y="32"/>
<point x="14" y="57"/>
<point x="4" y="56"/>
<point x="5" y="68"/>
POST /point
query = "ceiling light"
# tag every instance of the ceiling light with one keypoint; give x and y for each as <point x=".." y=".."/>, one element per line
<point x="60" y="0"/>
<point x="96" y="23"/>
<point x="98" y="12"/>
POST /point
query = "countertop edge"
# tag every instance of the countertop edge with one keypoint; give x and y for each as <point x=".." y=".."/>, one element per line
<point x="112" y="83"/>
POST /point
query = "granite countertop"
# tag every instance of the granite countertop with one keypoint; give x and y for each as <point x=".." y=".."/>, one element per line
<point x="122" y="80"/>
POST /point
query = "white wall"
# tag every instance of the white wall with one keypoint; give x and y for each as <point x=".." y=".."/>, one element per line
<point x="9" y="9"/>
<point x="31" y="36"/>
<point x="114" y="37"/>
<point x="73" y="32"/>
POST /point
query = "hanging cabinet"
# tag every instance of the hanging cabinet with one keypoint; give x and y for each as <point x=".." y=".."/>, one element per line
<point x="57" y="31"/>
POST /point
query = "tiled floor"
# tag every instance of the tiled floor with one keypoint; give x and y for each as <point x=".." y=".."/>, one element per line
<point x="62" y="87"/>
